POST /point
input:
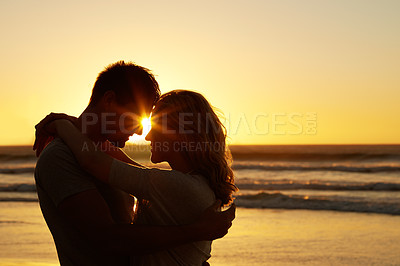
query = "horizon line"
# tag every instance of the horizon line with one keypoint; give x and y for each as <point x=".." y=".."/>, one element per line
<point x="253" y="144"/>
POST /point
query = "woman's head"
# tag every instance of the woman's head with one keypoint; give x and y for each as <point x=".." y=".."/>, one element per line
<point x="185" y="124"/>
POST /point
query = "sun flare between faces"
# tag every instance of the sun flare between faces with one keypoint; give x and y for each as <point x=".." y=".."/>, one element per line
<point x="137" y="139"/>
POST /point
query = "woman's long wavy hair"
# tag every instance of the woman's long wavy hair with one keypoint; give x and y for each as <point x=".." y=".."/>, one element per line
<point x="198" y="125"/>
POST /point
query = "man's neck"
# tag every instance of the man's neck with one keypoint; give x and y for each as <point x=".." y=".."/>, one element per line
<point x="89" y="124"/>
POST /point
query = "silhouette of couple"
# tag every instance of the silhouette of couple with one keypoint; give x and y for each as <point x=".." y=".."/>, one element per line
<point x="85" y="181"/>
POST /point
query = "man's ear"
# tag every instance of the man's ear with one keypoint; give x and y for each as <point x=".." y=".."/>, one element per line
<point x="109" y="98"/>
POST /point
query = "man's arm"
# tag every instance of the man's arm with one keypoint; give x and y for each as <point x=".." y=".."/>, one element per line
<point x="89" y="213"/>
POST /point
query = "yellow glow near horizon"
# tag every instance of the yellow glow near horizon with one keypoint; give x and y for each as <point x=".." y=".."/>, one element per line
<point x="146" y="124"/>
<point x="280" y="61"/>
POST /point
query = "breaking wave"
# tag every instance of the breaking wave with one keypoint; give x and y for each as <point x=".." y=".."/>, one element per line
<point x="17" y="170"/>
<point x="342" y="168"/>
<point x="18" y="188"/>
<point x="280" y="201"/>
<point x="320" y="185"/>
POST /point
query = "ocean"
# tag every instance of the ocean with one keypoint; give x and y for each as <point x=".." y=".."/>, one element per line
<point x="297" y="205"/>
<point x="354" y="178"/>
<point x="349" y="178"/>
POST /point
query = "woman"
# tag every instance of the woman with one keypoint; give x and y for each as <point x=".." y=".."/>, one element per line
<point x="186" y="133"/>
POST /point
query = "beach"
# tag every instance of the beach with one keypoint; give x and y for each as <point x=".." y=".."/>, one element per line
<point x="303" y="237"/>
<point x="257" y="237"/>
<point x="303" y="94"/>
<point x="297" y="205"/>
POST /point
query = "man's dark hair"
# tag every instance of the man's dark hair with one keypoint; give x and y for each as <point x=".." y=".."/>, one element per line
<point x="130" y="82"/>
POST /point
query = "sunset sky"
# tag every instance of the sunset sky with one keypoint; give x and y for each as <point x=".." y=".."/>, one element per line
<point x="283" y="72"/>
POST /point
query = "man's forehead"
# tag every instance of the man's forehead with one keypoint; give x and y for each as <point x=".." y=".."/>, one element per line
<point x="139" y="109"/>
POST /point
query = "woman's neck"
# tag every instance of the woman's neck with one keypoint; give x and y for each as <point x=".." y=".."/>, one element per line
<point x="179" y="163"/>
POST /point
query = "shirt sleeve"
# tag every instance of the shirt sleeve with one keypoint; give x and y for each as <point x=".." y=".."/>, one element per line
<point x="59" y="175"/>
<point x="142" y="182"/>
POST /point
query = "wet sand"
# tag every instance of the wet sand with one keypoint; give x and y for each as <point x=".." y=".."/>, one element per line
<point x="258" y="237"/>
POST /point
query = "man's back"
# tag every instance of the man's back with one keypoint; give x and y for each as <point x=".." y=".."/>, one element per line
<point x="58" y="177"/>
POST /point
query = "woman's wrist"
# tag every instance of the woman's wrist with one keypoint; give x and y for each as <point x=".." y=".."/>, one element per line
<point x="58" y="124"/>
<point x="61" y="126"/>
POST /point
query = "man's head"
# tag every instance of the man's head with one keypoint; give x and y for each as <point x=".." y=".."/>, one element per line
<point x="123" y="93"/>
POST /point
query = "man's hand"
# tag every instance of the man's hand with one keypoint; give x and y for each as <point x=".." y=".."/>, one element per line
<point x="213" y="223"/>
<point x="45" y="132"/>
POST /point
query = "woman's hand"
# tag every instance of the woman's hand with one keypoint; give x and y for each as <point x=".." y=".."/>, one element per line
<point x="45" y="130"/>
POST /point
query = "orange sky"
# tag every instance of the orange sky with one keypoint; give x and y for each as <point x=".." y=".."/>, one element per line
<point x="283" y="72"/>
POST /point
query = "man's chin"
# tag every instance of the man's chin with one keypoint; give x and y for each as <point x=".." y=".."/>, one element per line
<point x="154" y="159"/>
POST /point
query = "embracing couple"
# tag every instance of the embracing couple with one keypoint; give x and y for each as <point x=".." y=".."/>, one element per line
<point x="85" y="181"/>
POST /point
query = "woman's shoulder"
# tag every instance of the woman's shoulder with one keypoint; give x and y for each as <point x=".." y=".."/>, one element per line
<point x="186" y="183"/>
<point x="180" y="177"/>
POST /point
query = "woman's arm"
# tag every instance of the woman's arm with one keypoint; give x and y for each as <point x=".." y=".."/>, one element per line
<point x="133" y="179"/>
<point x="118" y="154"/>
<point x="87" y="154"/>
<point x="210" y="225"/>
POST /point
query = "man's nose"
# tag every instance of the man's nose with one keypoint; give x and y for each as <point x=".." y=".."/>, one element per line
<point x="148" y="136"/>
<point x="139" y="131"/>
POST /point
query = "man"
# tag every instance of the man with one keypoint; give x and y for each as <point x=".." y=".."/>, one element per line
<point x="89" y="221"/>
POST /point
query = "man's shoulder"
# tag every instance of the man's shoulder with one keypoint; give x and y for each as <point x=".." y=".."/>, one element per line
<point x="55" y="150"/>
<point x="58" y="173"/>
<point x="58" y="158"/>
<point x="55" y="145"/>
